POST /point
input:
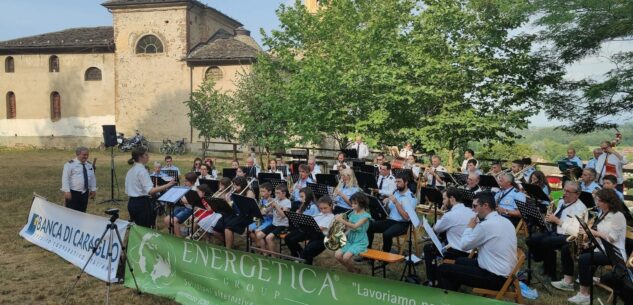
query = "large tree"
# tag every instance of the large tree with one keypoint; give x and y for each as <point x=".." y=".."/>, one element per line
<point x="579" y="28"/>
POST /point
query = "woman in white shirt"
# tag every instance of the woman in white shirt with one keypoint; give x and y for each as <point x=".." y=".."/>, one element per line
<point x="139" y="187"/>
<point x="609" y="226"/>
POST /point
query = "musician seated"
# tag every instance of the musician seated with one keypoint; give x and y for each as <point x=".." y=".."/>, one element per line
<point x="205" y="218"/>
<point x="380" y="159"/>
<point x="495" y="169"/>
<point x="616" y="279"/>
<point x="304" y="178"/>
<point x="315" y="245"/>
<point x="400" y="206"/>
<point x="592" y="162"/>
<point x="266" y="237"/>
<point x="572" y="159"/>
<point x="471" y="167"/>
<point x="169" y="165"/>
<point x="237" y="221"/>
<point x="543" y="245"/>
<point x="184" y="211"/>
<point x="609" y="182"/>
<point x="411" y="164"/>
<point x="453" y="224"/>
<point x="308" y="205"/>
<point x="587" y="181"/>
<point x="469" y="154"/>
<point x="204" y="174"/>
<point x="340" y="162"/>
<point x="265" y="195"/>
<point x="347" y="186"/>
<point x="406" y="151"/>
<point x="156" y="172"/>
<point x="252" y="168"/>
<point x="235" y="164"/>
<point x="505" y="198"/>
<point x="528" y="169"/>
<point x="472" y="183"/>
<point x="314" y="167"/>
<point x="196" y="165"/>
<point x="611" y="226"/>
<point x="516" y="167"/>
<point x="431" y="175"/>
<point x="272" y="168"/>
<point x="386" y="181"/>
<point x="496" y="242"/>
<point x="241" y="171"/>
<point x="538" y="178"/>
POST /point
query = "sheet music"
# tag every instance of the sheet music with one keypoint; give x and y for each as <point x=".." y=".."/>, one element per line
<point x="429" y="230"/>
<point x="174" y="194"/>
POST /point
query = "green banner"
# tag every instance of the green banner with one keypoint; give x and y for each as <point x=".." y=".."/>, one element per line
<point x="193" y="272"/>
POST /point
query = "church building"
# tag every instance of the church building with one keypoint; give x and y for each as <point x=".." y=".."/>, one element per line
<point x="59" y="88"/>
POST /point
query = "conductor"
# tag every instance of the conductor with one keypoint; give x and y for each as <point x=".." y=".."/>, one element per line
<point x="78" y="181"/>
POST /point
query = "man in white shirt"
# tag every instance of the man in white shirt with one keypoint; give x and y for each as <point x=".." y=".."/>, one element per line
<point x="360" y="147"/>
<point x="592" y="162"/>
<point x="572" y="159"/>
<point x="314" y="167"/>
<point x="453" y="224"/>
<point x="543" y="245"/>
<point x="433" y="180"/>
<point x="495" y="239"/>
<point x="386" y="181"/>
<point x="252" y="168"/>
<point x="78" y="181"/>
<point x="468" y="155"/>
<point x="611" y="162"/>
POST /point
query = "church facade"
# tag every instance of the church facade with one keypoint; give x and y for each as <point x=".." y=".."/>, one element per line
<point x="60" y="88"/>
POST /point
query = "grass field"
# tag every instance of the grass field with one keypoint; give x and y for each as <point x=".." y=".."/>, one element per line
<point x="31" y="275"/>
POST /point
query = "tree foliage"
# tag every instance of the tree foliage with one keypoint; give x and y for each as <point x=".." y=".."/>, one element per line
<point x="211" y="113"/>
<point x="577" y="29"/>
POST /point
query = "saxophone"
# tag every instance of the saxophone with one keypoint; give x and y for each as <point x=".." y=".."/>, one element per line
<point x="336" y="237"/>
<point x="578" y="243"/>
<point x="551" y="208"/>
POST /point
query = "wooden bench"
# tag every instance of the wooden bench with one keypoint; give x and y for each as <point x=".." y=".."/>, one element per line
<point x="384" y="258"/>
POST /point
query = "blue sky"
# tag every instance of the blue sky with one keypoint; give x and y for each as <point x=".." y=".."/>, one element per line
<point x="31" y="17"/>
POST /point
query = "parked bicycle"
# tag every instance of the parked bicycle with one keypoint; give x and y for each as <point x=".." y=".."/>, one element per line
<point x="173" y="148"/>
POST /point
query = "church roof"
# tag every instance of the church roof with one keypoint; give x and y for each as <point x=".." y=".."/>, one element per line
<point x="154" y="3"/>
<point x="222" y="47"/>
<point x="81" y="40"/>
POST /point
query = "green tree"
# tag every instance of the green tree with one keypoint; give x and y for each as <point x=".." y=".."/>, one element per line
<point x="211" y="113"/>
<point x="577" y="29"/>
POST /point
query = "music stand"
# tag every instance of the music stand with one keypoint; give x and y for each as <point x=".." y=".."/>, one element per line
<point x="194" y="200"/>
<point x="369" y="169"/>
<point x="171" y="197"/>
<point x="587" y="199"/>
<point x="334" y="172"/>
<point x="619" y="267"/>
<point x="318" y="189"/>
<point x="592" y="241"/>
<point x="219" y="205"/>
<point x="305" y="223"/>
<point x="467" y="196"/>
<point x="432" y="195"/>
<point x="214" y="185"/>
<point x="446" y="177"/>
<point x="459" y="178"/>
<point x="248" y="208"/>
<point x="488" y="181"/>
<point x="266" y="177"/>
<point x="366" y="181"/>
<point x="350" y="153"/>
<point x="533" y="217"/>
<point x="229" y="173"/>
<point x="327" y="179"/>
<point x="376" y="209"/>
<point x="171" y="173"/>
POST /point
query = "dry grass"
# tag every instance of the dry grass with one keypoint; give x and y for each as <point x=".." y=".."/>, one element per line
<point x="31" y="275"/>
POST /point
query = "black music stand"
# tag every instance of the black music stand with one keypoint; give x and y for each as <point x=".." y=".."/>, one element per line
<point x="334" y="172"/>
<point x="467" y="196"/>
<point x="266" y="177"/>
<point x="409" y="274"/>
<point x="350" y="153"/>
<point x="432" y="195"/>
<point x="533" y="217"/>
<point x="194" y="200"/>
<point x="172" y="197"/>
<point x="488" y="181"/>
<point x="318" y="189"/>
<point x="219" y="205"/>
<point x="446" y="177"/>
<point x="248" y="208"/>
<point x="459" y="178"/>
<point x="171" y="173"/>
<point x="592" y="241"/>
<point x="305" y="223"/>
<point x="536" y="193"/>
<point x="587" y="199"/>
<point x="369" y="169"/>
<point x="327" y="179"/>
<point x="214" y="185"/>
<point x="229" y="173"/>
<point x="366" y="181"/>
<point x="377" y="209"/>
<point x="619" y="267"/>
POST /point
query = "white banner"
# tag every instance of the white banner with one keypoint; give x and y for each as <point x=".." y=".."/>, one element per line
<point x="73" y="235"/>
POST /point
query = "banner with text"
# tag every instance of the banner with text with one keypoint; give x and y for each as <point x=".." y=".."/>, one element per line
<point x="72" y="235"/>
<point x="193" y="272"/>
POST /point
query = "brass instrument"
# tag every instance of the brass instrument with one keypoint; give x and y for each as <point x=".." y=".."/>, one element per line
<point x="222" y="193"/>
<point x="519" y="175"/>
<point x="551" y="208"/>
<point x="578" y="243"/>
<point x="248" y="186"/>
<point x="336" y="237"/>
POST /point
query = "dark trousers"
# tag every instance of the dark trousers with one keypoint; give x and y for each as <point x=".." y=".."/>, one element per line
<point x="620" y="285"/>
<point x="78" y="201"/>
<point x="543" y="248"/>
<point x="141" y="211"/>
<point x="467" y="272"/>
<point x="389" y="229"/>
<point x="431" y="252"/>
<point x="314" y="247"/>
<point x="586" y="264"/>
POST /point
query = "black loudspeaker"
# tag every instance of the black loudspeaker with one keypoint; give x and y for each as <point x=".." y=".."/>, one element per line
<point x="109" y="135"/>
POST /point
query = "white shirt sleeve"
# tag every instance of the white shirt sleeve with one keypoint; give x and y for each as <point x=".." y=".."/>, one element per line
<point x="473" y="238"/>
<point x="66" y="178"/>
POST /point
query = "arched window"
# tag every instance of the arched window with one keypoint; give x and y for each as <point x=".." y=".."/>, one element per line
<point x="56" y="106"/>
<point x="149" y="44"/>
<point x="53" y="64"/>
<point x="9" y="65"/>
<point x="92" y="74"/>
<point x="11" y="111"/>
<point x="213" y="73"/>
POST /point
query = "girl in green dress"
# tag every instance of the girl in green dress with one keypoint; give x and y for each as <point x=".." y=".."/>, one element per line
<point x="357" y="223"/>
